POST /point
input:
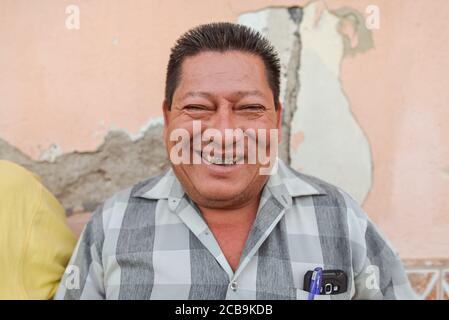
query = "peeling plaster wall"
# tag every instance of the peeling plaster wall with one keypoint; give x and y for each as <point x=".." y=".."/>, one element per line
<point x="321" y="136"/>
<point x="83" y="180"/>
<point x="66" y="88"/>
<point x="327" y="141"/>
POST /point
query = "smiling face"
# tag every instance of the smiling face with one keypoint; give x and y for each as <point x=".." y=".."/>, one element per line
<point x="223" y="91"/>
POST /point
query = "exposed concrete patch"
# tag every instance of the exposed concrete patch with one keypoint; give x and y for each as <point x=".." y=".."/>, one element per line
<point x="82" y="180"/>
<point x="332" y="145"/>
<point x="153" y="122"/>
<point x="281" y="27"/>
<point x="51" y="153"/>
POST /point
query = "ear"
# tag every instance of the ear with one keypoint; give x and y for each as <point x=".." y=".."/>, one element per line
<point x="166" y="113"/>
<point x="279" y="120"/>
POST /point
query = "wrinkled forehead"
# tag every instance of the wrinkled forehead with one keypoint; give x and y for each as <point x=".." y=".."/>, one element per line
<point x="223" y="73"/>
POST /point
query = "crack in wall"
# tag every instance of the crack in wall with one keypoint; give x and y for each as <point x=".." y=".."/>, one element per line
<point x="292" y="84"/>
<point x="280" y="25"/>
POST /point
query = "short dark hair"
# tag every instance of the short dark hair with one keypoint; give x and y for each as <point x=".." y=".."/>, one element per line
<point x="222" y="37"/>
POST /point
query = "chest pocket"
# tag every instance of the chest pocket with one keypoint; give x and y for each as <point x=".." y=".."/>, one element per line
<point x="304" y="295"/>
<point x="300" y="271"/>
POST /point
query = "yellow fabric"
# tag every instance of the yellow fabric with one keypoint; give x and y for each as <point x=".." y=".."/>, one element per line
<point x="35" y="241"/>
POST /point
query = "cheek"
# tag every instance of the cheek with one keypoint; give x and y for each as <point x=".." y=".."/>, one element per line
<point x="165" y="135"/>
<point x="174" y="132"/>
<point x="268" y="121"/>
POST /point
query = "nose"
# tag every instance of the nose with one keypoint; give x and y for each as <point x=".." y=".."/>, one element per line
<point x="223" y="118"/>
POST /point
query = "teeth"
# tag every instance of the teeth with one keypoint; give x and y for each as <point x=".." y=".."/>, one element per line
<point x="229" y="161"/>
<point x="219" y="160"/>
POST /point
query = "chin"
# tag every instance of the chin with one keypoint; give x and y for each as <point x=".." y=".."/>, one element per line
<point x="221" y="193"/>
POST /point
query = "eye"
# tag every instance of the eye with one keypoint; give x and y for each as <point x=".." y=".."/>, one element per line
<point x="252" y="107"/>
<point x="195" y="107"/>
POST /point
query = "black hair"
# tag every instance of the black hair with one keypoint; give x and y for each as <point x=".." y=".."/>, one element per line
<point x="222" y="37"/>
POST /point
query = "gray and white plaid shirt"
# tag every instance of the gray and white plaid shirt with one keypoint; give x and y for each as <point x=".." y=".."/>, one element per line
<point x="151" y="242"/>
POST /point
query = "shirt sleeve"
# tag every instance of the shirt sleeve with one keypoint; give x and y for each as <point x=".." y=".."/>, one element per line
<point x="378" y="270"/>
<point x="83" y="277"/>
<point x="50" y="244"/>
<point x="35" y="241"/>
<point x="382" y="275"/>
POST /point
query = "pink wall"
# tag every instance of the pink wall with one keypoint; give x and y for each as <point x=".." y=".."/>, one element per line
<point x="400" y="96"/>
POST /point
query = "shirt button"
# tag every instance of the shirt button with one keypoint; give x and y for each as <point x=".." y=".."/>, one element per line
<point x="233" y="286"/>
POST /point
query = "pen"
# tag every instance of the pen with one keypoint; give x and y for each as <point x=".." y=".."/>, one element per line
<point x="315" y="283"/>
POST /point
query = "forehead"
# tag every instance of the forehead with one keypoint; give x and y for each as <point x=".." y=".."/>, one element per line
<point x="217" y="72"/>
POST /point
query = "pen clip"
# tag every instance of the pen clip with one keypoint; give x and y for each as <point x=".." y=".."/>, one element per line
<point x="315" y="283"/>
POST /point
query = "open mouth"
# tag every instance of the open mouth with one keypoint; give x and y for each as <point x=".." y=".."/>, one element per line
<point x="220" y="160"/>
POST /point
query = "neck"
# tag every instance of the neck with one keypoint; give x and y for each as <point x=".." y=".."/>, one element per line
<point x="244" y="214"/>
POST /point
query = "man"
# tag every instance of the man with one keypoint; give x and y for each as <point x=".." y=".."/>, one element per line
<point x="215" y="226"/>
<point x="35" y="241"/>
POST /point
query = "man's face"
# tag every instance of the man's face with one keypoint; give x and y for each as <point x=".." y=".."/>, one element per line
<point x="222" y="91"/>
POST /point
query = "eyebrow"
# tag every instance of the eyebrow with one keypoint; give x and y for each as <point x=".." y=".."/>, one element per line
<point x="240" y="94"/>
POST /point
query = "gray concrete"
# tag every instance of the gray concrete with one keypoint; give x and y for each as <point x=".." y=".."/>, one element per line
<point x="82" y="180"/>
